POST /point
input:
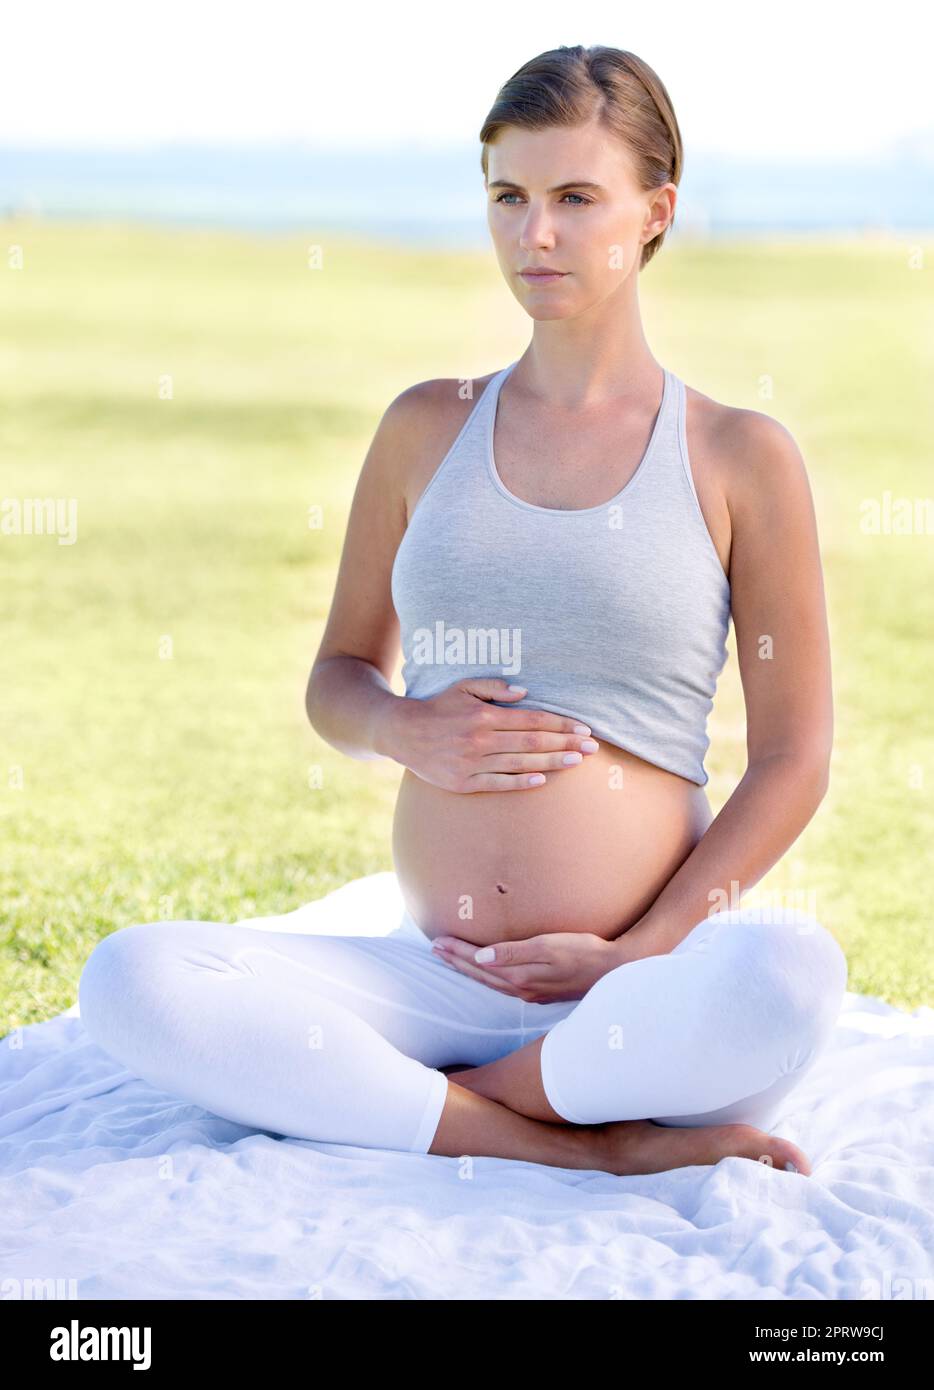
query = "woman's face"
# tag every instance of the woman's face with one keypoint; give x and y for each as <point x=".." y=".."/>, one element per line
<point x="568" y="199"/>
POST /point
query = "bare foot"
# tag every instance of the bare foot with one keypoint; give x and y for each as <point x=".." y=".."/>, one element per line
<point x="630" y="1147"/>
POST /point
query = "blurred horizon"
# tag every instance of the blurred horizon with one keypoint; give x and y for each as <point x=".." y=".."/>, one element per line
<point x="434" y="194"/>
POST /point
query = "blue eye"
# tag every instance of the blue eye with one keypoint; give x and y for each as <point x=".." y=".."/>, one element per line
<point x="583" y="202"/>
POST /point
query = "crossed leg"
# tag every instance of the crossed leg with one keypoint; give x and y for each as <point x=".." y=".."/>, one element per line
<point x="339" y="1038"/>
<point x="716" y="1032"/>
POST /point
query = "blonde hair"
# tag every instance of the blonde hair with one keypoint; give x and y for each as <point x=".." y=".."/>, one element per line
<point x="571" y="86"/>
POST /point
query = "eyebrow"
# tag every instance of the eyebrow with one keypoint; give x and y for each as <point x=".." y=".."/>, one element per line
<point x="558" y="188"/>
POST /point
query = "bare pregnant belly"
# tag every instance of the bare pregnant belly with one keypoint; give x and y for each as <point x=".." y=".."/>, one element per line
<point x="589" y="851"/>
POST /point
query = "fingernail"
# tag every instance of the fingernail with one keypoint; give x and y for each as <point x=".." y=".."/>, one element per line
<point x="485" y="954"/>
<point x="570" y="758"/>
<point x="440" y="943"/>
<point x="581" y="729"/>
<point x="589" y="745"/>
<point x="790" y="1168"/>
<point x="517" y="688"/>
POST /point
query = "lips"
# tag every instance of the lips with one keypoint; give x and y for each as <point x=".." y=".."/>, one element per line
<point x="532" y="276"/>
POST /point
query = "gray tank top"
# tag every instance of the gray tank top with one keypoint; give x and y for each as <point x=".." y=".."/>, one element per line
<point x="616" y="614"/>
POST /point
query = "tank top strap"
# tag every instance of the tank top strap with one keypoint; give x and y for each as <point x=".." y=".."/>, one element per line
<point x="478" y="422"/>
<point x="665" y="464"/>
<point x="676" y="452"/>
<point x="493" y="388"/>
<point x="665" y="448"/>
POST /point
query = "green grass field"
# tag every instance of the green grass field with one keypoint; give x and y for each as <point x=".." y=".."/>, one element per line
<point x="197" y="393"/>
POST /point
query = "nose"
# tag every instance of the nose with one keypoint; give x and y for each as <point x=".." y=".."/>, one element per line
<point x="537" y="232"/>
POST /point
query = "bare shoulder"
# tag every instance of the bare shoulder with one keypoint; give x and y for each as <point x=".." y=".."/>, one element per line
<point x="743" y="458"/>
<point x="426" y="419"/>
<point x="742" y="441"/>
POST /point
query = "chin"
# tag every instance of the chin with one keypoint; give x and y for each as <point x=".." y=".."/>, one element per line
<point x="547" y="313"/>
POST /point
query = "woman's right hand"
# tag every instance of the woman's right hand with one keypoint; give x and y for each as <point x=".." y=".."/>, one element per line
<point x="460" y="742"/>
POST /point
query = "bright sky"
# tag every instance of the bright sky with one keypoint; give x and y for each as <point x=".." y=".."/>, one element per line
<point x="795" y="79"/>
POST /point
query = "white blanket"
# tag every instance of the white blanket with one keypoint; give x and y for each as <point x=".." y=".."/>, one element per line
<point x="121" y="1191"/>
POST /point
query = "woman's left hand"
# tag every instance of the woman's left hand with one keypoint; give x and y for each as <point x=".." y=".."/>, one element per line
<point x="540" y="969"/>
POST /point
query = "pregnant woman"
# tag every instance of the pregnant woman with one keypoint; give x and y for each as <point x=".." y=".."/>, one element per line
<point x="559" y="547"/>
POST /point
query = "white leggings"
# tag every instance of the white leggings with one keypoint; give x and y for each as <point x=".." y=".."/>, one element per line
<point x="338" y="1038"/>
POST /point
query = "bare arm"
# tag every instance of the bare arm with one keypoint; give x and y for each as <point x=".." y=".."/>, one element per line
<point x="349" y="699"/>
<point x="783" y="649"/>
